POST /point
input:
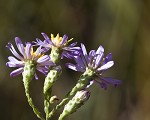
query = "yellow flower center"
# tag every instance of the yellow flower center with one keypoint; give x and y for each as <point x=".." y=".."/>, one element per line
<point x="56" y="40"/>
<point x="34" y="55"/>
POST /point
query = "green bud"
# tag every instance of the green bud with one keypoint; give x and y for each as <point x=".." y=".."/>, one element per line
<point x="77" y="101"/>
<point x="53" y="99"/>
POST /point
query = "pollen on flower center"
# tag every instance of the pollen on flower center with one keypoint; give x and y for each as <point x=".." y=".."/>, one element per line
<point x="56" y="40"/>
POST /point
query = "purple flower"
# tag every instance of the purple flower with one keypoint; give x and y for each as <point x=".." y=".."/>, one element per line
<point x="96" y="62"/>
<point x="40" y="60"/>
<point x="61" y="43"/>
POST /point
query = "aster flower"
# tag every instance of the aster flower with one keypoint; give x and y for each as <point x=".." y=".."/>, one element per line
<point x="59" y="44"/>
<point x="95" y="62"/>
<point x="40" y="60"/>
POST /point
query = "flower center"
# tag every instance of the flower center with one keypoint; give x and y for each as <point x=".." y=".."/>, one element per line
<point x="35" y="55"/>
<point x="56" y="40"/>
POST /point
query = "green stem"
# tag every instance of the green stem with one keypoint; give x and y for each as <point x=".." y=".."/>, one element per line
<point x="49" y="82"/>
<point x="83" y="81"/>
<point x="31" y="103"/>
<point x="28" y="75"/>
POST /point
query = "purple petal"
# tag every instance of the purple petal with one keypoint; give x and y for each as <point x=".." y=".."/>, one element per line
<point x="75" y="67"/>
<point x="91" y="83"/>
<point x="20" y="45"/>
<point x="42" y="70"/>
<point x="100" y="50"/>
<point x="36" y="77"/>
<point x="111" y="80"/>
<point x="45" y="36"/>
<point x="14" y="60"/>
<point x="16" y="72"/>
<point x="47" y="41"/>
<point x="84" y="52"/>
<point x="100" y="54"/>
<point x="103" y="85"/>
<point x="11" y="64"/>
<point x="106" y="66"/>
<point x="12" y="49"/>
<point x="71" y="66"/>
<point x="28" y="50"/>
<point x="91" y="56"/>
<point x="46" y="63"/>
<point x="38" y="42"/>
<point x="38" y="51"/>
<point x="99" y="58"/>
<point x="43" y="59"/>
<point x="73" y="44"/>
<point x="79" y="62"/>
<point x="107" y="58"/>
<point x="64" y="39"/>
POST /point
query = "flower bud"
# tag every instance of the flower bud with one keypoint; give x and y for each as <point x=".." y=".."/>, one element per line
<point x="77" y="101"/>
<point x="53" y="99"/>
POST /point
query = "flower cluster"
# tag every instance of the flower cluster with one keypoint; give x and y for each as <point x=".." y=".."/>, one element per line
<point x="96" y="62"/>
<point x="92" y="65"/>
<point x="62" y="43"/>
<point x="41" y="61"/>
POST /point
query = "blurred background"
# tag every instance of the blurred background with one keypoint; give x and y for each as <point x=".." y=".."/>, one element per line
<point x="120" y="26"/>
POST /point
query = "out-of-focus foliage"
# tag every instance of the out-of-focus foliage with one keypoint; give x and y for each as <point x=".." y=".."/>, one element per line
<point x="120" y="26"/>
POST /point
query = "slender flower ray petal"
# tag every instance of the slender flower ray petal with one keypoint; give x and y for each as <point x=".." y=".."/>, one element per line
<point x="73" y="44"/>
<point x="14" y="60"/>
<point x="79" y="61"/>
<point x="107" y="59"/>
<point x="106" y="66"/>
<point x="99" y="60"/>
<point x="100" y="50"/>
<point x="64" y="40"/>
<point x="84" y="52"/>
<point x="45" y="36"/>
<point x="11" y="64"/>
<point x="36" y="77"/>
<point x="16" y="72"/>
<point x="43" y="58"/>
<point x="28" y="50"/>
<point x="90" y="58"/>
<point x="71" y="66"/>
<point x="12" y="49"/>
<point x="111" y="80"/>
<point x="20" y="45"/>
<point x="38" y="51"/>
<point x="42" y="70"/>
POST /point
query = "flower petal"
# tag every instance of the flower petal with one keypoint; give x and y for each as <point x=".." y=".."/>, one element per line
<point x="28" y="50"/>
<point x="43" y="58"/>
<point x="107" y="58"/>
<point x="16" y="72"/>
<point x="64" y="39"/>
<point x="20" y="45"/>
<point x="14" y="60"/>
<point x="84" y="52"/>
<point x="12" y="49"/>
<point x="73" y="44"/>
<point x="100" y="50"/>
<point x="111" y="81"/>
<point x="106" y="66"/>
<point x="71" y="66"/>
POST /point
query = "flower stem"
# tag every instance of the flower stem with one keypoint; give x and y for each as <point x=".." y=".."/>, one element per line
<point x="28" y="75"/>
<point x="83" y="81"/>
<point x="49" y="82"/>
